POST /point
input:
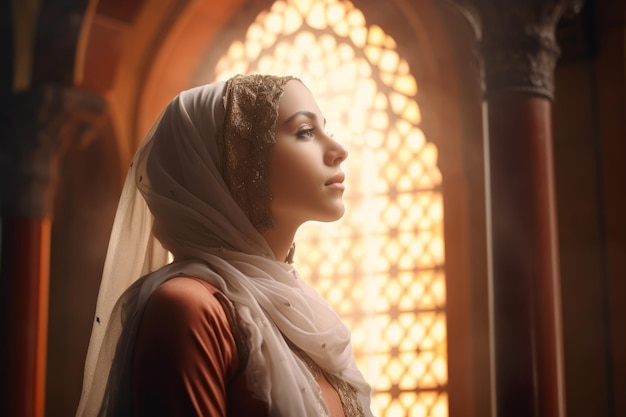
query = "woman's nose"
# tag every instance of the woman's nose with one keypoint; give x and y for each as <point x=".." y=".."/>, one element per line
<point x="336" y="153"/>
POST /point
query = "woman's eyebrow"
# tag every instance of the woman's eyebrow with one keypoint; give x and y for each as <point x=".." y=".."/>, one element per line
<point x="306" y="113"/>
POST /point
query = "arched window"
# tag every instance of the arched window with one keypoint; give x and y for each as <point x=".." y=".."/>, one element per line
<point x="382" y="265"/>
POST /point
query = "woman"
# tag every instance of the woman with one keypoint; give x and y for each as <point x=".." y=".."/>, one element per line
<point x="222" y="182"/>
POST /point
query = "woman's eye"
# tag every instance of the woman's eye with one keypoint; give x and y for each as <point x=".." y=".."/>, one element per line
<point x="305" y="133"/>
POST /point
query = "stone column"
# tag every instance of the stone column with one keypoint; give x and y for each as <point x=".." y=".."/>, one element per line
<point x="43" y="123"/>
<point x="518" y="52"/>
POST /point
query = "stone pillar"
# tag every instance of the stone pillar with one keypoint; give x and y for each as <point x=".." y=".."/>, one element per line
<point x="518" y="52"/>
<point x="43" y="123"/>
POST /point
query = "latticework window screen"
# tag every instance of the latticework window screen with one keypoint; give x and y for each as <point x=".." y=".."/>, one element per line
<point x="382" y="265"/>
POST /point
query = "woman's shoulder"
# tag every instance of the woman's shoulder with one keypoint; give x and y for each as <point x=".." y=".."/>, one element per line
<point x="185" y="350"/>
<point x="190" y="305"/>
<point x="189" y="295"/>
<point x="187" y="286"/>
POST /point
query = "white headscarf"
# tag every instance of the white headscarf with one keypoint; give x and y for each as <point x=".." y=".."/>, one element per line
<point x="175" y="183"/>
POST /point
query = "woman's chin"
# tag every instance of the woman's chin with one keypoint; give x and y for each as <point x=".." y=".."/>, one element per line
<point x="333" y="215"/>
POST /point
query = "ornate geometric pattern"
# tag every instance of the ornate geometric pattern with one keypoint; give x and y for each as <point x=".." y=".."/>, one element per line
<point x="382" y="266"/>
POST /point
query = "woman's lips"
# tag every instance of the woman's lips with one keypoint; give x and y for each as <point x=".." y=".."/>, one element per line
<point x="337" y="181"/>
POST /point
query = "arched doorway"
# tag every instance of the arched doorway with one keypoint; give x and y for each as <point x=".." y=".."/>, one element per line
<point x="160" y="51"/>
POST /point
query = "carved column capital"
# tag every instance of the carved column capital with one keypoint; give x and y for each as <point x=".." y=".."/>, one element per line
<point x="42" y="124"/>
<point x="517" y="43"/>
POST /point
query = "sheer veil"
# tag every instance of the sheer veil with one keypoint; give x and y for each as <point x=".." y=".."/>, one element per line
<point x="175" y="200"/>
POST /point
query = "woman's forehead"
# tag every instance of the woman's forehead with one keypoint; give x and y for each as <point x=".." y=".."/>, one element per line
<point x="297" y="99"/>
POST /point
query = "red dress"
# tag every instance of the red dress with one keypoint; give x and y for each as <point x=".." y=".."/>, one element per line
<point x="187" y="357"/>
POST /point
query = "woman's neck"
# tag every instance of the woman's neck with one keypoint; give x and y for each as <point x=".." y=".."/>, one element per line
<point x="279" y="240"/>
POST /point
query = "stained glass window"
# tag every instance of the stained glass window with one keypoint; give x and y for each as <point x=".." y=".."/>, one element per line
<point x="382" y="266"/>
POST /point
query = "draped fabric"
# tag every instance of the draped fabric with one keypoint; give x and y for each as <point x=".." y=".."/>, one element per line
<point x="175" y="200"/>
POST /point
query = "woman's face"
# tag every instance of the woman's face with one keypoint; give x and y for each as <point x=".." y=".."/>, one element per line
<point x="306" y="180"/>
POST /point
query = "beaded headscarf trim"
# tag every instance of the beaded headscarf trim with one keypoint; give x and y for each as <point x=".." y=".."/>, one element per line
<point x="251" y="103"/>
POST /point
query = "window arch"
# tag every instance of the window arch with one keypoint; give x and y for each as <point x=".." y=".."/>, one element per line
<point x="382" y="265"/>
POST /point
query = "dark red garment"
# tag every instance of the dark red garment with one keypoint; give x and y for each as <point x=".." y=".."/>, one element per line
<point x="186" y="361"/>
